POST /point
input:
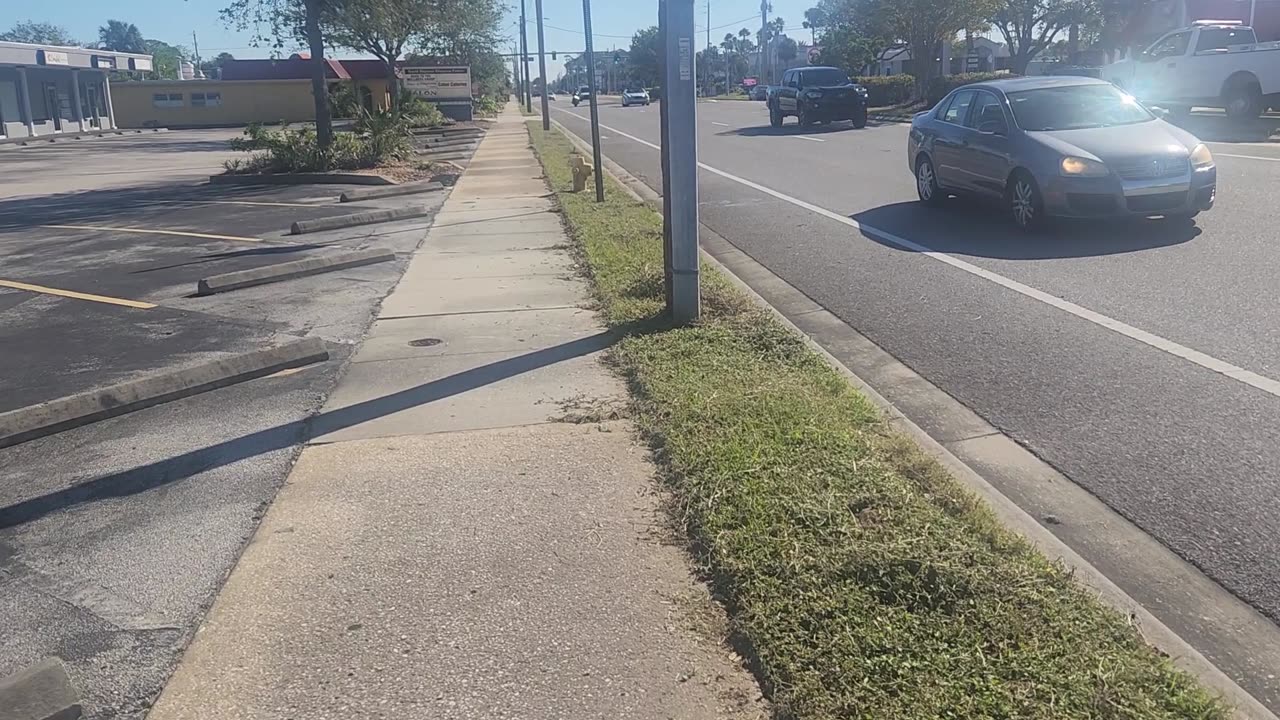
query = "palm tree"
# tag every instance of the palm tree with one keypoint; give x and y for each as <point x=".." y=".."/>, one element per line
<point x="121" y="37"/>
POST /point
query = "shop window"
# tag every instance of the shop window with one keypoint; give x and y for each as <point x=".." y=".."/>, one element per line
<point x="166" y="100"/>
<point x="212" y="99"/>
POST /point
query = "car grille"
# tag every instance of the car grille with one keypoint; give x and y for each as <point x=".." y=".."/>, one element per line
<point x="1091" y="203"/>
<point x="1153" y="168"/>
<point x="1156" y="203"/>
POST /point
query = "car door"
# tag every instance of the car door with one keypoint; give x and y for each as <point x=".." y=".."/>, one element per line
<point x="1156" y="75"/>
<point x="788" y="92"/>
<point x="985" y="150"/>
<point x="948" y="140"/>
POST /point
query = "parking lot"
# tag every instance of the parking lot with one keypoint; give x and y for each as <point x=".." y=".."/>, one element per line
<point x="115" y="535"/>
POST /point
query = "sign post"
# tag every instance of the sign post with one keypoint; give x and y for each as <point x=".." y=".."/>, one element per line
<point x="447" y="87"/>
<point x="595" y="108"/>
<point x="680" y="151"/>
<point x="542" y="69"/>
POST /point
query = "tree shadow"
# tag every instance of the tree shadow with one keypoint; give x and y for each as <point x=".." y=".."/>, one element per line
<point x="963" y="227"/>
<point x="1220" y="128"/>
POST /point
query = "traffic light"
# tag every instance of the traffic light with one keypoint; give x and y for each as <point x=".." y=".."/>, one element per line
<point x="553" y="54"/>
<point x="617" y="58"/>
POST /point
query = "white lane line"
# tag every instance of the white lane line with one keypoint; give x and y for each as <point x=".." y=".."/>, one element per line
<point x="1247" y="157"/>
<point x="713" y="122"/>
<point x="806" y="137"/>
<point x="714" y="101"/>
<point x="1248" y="377"/>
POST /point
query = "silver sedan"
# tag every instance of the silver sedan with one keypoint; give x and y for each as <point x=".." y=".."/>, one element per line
<point x="1059" y="147"/>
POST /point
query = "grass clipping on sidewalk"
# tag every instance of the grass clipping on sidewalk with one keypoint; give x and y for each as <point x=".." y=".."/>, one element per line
<point x="864" y="580"/>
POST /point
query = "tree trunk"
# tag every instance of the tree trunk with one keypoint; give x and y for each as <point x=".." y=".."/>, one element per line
<point x="319" y="88"/>
<point x="1019" y="61"/>
<point x="393" y="84"/>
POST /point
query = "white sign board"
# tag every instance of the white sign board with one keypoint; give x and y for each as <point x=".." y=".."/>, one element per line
<point x="438" y="83"/>
<point x="55" y="58"/>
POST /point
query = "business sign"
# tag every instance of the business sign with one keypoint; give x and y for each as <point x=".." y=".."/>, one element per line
<point x="104" y="63"/>
<point x="438" y="83"/>
<point x="140" y="64"/>
<point x="815" y="51"/>
<point x="55" y="58"/>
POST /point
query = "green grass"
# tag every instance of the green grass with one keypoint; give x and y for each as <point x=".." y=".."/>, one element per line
<point x="862" y="580"/>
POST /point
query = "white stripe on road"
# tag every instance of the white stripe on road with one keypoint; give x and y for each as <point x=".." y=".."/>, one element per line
<point x="1252" y="379"/>
<point x="1247" y="157"/>
<point x="806" y="137"/>
<point x="713" y="122"/>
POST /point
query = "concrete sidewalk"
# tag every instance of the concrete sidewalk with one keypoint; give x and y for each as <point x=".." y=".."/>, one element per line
<point x="446" y="548"/>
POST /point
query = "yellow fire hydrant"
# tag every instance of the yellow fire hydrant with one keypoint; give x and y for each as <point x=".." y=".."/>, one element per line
<point x="581" y="171"/>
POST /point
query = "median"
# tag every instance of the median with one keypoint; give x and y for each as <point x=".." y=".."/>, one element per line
<point x="861" y="580"/>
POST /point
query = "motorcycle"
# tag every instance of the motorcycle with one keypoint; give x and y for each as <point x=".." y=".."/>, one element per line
<point x="575" y="101"/>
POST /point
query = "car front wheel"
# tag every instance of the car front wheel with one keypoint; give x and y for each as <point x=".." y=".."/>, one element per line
<point x="1026" y="208"/>
<point x="927" y="183"/>
<point x="775" y="116"/>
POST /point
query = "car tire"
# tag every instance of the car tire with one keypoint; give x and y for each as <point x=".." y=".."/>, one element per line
<point x="860" y="119"/>
<point x="1026" y="205"/>
<point x="775" y="116"/>
<point x="802" y="117"/>
<point x="1243" y="101"/>
<point x="927" y="187"/>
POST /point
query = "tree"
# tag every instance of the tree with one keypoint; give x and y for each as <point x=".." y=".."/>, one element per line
<point x="847" y="48"/>
<point x="925" y="24"/>
<point x="384" y="28"/>
<point x="787" y="49"/>
<point x="213" y="68"/>
<point x="39" y="34"/>
<point x="121" y="36"/>
<point x="166" y="59"/>
<point x="815" y="19"/>
<point x="736" y="50"/>
<point x="1031" y="26"/>
<point x="286" y="19"/>
<point x="644" y="58"/>
<point x="470" y="37"/>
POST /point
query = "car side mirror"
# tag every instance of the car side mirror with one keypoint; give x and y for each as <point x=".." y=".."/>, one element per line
<point x="993" y="127"/>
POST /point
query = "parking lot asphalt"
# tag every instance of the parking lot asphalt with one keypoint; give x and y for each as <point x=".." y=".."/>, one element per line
<point x="1080" y="344"/>
<point x="114" y="536"/>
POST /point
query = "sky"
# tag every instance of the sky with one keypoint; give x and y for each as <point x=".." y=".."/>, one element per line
<point x="614" y="22"/>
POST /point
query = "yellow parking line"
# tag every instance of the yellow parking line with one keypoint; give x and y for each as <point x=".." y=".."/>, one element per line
<point x="179" y="233"/>
<point x="75" y="295"/>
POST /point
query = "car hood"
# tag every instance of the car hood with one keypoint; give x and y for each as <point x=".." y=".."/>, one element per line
<point x="640" y="93"/>
<point x="1120" y="142"/>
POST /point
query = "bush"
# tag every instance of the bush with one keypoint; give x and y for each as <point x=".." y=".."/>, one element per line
<point x="487" y="107"/>
<point x="343" y="102"/>
<point x="379" y="137"/>
<point x="940" y="86"/>
<point x="418" y="112"/>
<point x="887" y="89"/>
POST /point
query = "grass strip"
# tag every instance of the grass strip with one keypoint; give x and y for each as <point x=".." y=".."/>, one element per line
<point x="863" y="581"/>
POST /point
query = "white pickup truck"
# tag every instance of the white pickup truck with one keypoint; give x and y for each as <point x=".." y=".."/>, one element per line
<point x="1210" y="64"/>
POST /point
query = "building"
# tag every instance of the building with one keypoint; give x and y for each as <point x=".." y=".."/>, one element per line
<point x="47" y="89"/>
<point x="987" y="55"/>
<point x="249" y="91"/>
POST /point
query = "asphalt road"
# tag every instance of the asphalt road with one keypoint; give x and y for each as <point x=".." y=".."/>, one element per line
<point x="1023" y="330"/>
<point x="115" y="536"/>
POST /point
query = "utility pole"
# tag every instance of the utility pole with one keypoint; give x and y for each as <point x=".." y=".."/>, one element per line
<point x="708" y="81"/>
<point x="542" y="68"/>
<point x="196" y="44"/>
<point x="595" y="107"/>
<point x="524" y="60"/>
<point x="764" y="36"/>
<point x="680" y="158"/>
<point x="516" y="82"/>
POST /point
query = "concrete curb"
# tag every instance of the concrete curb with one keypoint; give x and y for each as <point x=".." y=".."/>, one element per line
<point x="451" y="141"/>
<point x="369" y="217"/>
<point x="40" y="692"/>
<point x="1010" y="514"/>
<point x="55" y="416"/>
<point x="301" y="179"/>
<point x="445" y="131"/>
<point x="391" y="191"/>
<point x="890" y="118"/>
<point x="451" y="154"/>
<point x="290" y="270"/>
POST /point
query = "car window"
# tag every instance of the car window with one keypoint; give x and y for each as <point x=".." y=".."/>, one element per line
<point x="1172" y="46"/>
<point x="955" y="112"/>
<point x="986" y="108"/>
<point x="1073" y="107"/>
<point x="822" y="77"/>
<point x="1222" y="38"/>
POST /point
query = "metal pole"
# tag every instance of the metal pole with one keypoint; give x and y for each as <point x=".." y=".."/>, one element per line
<point x="542" y="68"/>
<point x="595" y="108"/>
<point x="708" y="83"/>
<point x="764" y="36"/>
<point x="681" y="204"/>
<point x="664" y="133"/>
<point x="516" y="81"/>
<point x="524" y="60"/>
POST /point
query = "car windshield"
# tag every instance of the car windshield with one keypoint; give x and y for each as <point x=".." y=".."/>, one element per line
<point x="1074" y="107"/>
<point x="823" y="78"/>
<point x="633" y="91"/>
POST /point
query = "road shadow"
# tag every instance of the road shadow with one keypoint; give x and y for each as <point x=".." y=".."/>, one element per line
<point x="179" y="467"/>
<point x="1219" y="128"/>
<point x="791" y="129"/>
<point x="969" y="228"/>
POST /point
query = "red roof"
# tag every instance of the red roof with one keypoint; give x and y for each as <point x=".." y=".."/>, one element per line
<point x="298" y="67"/>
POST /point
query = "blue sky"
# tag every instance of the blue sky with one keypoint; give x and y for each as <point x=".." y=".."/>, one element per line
<point x="174" y="20"/>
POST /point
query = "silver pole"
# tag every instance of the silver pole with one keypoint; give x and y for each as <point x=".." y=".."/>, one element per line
<point x="595" y="108"/>
<point x="542" y="68"/>
<point x="524" y="60"/>
<point x="679" y="97"/>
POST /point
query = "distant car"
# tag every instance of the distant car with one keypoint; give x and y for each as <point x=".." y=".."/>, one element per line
<point x="1059" y="147"/>
<point x="758" y="92"/>
<point x="818" y="94"/>
<point x="635" y="97"/>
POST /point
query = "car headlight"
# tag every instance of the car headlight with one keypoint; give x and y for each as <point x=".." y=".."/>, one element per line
<point x="1082" y="167"/>
<point x="1201" y="158"/>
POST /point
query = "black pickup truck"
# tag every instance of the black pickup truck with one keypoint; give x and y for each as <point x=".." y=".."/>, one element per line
<point x="818" y="94"/>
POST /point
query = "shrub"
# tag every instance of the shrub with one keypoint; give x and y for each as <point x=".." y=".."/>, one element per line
<point x="379" y="137"/>
<point x="940" y="86"/>
<point x="418" y="112"/>
<point x="487" y="107"/>
<point x="343" y="102"/>
<point x="385" y="134"/>
<point x="887" y="89"/>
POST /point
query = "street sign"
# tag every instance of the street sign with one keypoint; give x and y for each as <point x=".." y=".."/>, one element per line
<point x="814" y="52"/>
<point x="438" y="83"/>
